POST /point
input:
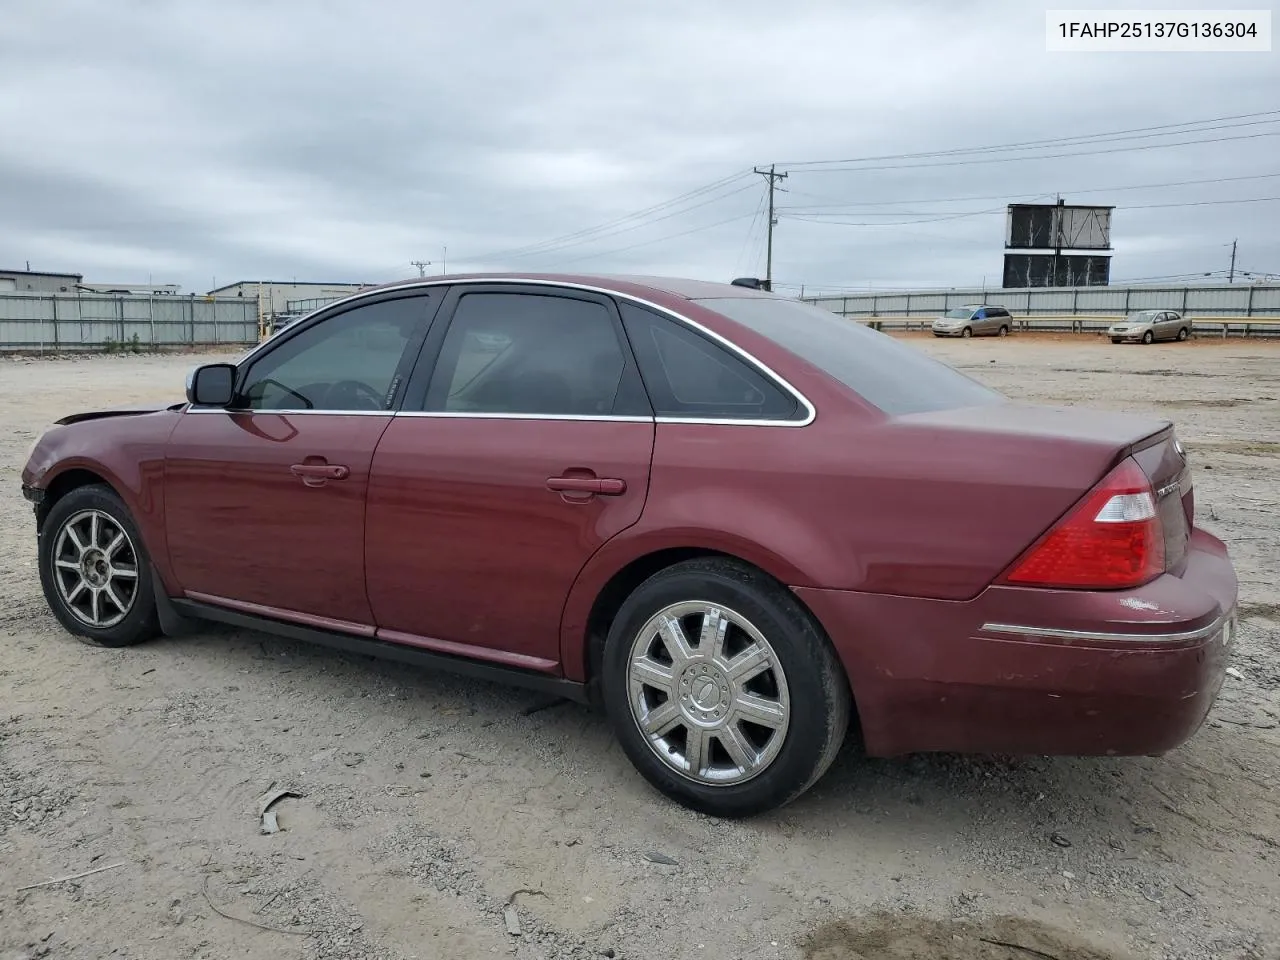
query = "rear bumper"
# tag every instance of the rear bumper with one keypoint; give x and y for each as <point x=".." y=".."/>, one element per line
<point x="1024" y="671"/>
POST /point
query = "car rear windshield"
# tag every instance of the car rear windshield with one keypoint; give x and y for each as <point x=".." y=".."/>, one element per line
<point x="897" y="378"/>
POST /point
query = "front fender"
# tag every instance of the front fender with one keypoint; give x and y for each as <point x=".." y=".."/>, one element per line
<point x="128" y="454"/>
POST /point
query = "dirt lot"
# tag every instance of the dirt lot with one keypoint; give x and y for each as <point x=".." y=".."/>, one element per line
<point x="428" y="804"/>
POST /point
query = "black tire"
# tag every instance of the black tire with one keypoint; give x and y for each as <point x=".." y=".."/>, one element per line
<point x="967" y="332"/>
<point x="819" y="698"/>
<point x="1148" y="337"/>
<point x="1183" y="334"/>
<point x="1004" y="331"/>
<point x="140" y="621"/>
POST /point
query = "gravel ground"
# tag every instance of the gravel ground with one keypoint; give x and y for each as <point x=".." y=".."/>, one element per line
<point x="433" y="814"/>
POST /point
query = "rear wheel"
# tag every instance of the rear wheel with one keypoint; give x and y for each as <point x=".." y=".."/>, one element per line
<point x="1182" y="334"/>
<point x="95" y="571"/>
<point x="1004" y="331"/>
<point x="722" y="690"/>
<point x="967" y="332"/>
<point x="1148" y="337"/>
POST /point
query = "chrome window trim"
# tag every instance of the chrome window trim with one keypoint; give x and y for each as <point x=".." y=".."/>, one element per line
<point x="1050" y="633"/>
<point x="292" y="413"/>
<point x="461" y="415"/>
<point x="810" y="411"/>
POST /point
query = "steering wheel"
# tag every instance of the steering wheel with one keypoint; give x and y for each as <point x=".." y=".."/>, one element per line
<point x="353" y="395"/>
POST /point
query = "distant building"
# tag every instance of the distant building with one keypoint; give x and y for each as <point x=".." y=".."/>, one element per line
<point x="276" y="295"/>
<point x="33" y="281"/>
<point x="137" y="289"/>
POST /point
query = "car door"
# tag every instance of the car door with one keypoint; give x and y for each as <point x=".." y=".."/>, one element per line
<point x="265" y="500"/>
<point x="524" y="444"/>
<point x="1167" y="328"/>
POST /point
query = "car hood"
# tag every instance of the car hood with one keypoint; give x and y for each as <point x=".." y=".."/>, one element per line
<point x="117" y="412"/>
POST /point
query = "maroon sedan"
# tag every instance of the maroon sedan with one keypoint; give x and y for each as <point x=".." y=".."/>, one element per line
<point x="734" y="520"/>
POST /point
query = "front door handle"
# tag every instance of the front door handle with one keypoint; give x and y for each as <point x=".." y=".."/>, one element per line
<point x="315" y="474"/>
<point x="604" y="486"/>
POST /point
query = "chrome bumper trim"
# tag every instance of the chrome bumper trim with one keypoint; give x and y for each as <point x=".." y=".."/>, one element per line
<point x="1227" y="620"/>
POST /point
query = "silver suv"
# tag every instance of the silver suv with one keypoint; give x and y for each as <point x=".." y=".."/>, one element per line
<point x="973" y="320"/>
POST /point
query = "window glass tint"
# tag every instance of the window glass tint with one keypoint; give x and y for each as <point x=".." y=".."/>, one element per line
<point x="344" y="362"/>
<point x="887" y="373"/>
<point x="687" y="375"/>
<point x="530" y="354"/>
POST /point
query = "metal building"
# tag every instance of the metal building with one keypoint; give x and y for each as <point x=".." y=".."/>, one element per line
<point x="33" y="281"/>
<point x="275" y="295"/>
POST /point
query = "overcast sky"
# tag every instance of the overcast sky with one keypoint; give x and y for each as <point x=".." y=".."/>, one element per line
<point x="335" y="140"/>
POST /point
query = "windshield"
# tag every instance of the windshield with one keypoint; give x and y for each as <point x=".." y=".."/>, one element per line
<point x="1142" y="316"/>
<point x="959" y="313"/>
<point x="895" y="377"/>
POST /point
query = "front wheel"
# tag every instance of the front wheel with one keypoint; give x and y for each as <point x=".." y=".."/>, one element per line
<point x="966" y="333"/>
<point x="1148" y="337"/>
<point x="95" y="571"/>
<point x="722" y="690"/>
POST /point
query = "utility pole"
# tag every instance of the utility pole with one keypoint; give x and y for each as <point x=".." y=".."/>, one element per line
<point x="1231" y="276"/>
<point x="773" y="177"/>
<point x="421" y="265"/>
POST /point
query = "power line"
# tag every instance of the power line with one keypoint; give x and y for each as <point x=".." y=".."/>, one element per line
<point x="1027" y="196"/>
<point x="1043" y="156"/>
<point x="751" y="232"/>
<point x="646" y="243"/>
<point x="825" y="219"/>
<point x="1130" y="133"/>
<point x="569" y="239"/>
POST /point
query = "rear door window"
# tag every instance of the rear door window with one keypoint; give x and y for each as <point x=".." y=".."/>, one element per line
<point x="534" y="355"/>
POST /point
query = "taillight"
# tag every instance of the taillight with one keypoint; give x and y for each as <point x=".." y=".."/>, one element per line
<point x="1110" y="540"/>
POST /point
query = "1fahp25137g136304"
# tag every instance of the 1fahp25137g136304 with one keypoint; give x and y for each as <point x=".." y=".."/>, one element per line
<point x="737" y="522"/>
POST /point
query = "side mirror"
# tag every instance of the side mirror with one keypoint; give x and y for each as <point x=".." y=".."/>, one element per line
<point x="212" y="385"/>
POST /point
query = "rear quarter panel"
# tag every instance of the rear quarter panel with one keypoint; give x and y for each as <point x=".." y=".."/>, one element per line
<point x="848" y="503"/>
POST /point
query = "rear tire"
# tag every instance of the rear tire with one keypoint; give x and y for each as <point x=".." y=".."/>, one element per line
<point x="1183" y="334"/>
<point x="722" y="690"/>
<point x="1004" y="332"/>
<point x="95" y="570"/>
<point x="1148" y="337"/>
<point x="966" y="333"/>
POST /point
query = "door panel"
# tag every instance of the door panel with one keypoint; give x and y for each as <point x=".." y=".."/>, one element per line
<point x="265" y="502"/>
<point x="525" y="445"/>
<point x="242" y="525"/>
<point x="468" y="545"/>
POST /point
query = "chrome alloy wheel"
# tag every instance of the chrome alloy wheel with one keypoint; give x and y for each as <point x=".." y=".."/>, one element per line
<point x="708" y="693"/>
<point x="95" y="568"/>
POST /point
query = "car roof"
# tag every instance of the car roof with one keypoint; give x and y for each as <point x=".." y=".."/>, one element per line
<point x="684" y="288"/>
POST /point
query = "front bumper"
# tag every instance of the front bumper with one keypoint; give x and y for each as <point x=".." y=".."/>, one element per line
<point x="1027" y="671"/>
<point x="1133" y="335"/>
<point x="947" y="331"/>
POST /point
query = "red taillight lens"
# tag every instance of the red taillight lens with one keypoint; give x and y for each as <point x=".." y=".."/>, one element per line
<point x="1111" y="539"/>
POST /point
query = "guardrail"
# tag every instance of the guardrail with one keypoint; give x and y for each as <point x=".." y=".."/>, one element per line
<point x="1092" y="323"/>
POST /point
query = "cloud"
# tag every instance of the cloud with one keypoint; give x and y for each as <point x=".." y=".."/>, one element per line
<point x="339" y="139"/>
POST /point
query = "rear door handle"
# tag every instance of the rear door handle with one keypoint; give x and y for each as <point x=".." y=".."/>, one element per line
<point x="605" y="486"/>
<point x="315" y="474"/>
